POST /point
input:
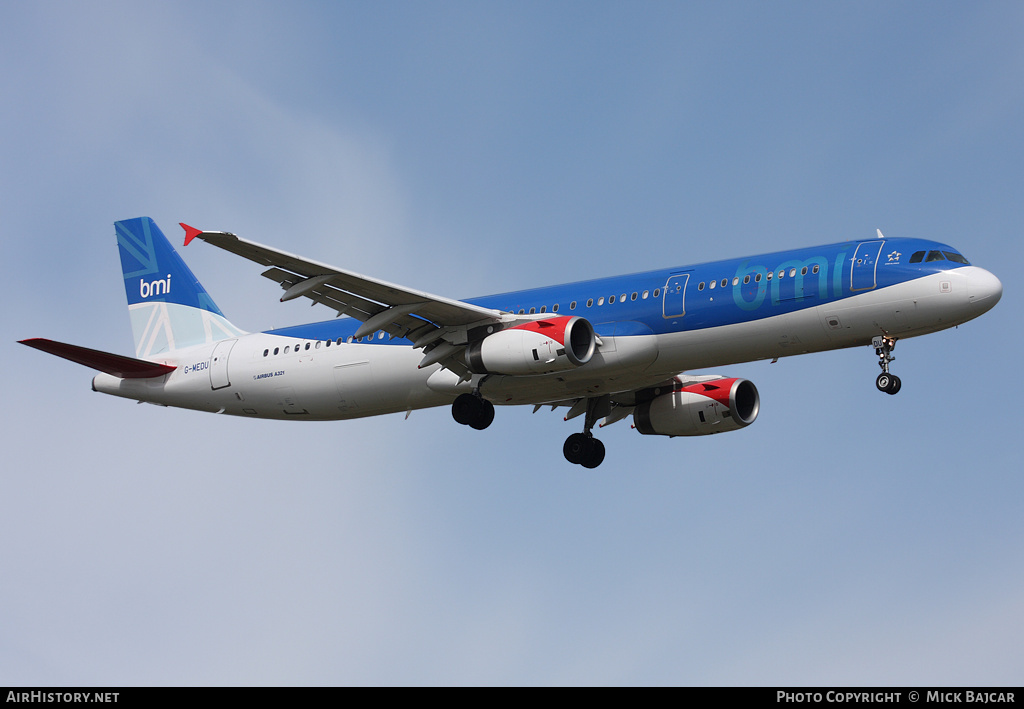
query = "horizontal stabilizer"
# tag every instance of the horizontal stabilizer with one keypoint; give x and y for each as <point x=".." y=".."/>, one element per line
<point x="117" y="365"/>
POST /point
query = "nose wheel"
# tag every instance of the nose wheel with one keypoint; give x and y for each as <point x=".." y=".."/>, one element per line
<point x="889" y="383"/>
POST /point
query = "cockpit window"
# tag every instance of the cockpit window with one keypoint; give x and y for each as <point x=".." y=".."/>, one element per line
<point x="917" y="257"/>
<point x="935" y="256"/>
<point x="956" y="258"/>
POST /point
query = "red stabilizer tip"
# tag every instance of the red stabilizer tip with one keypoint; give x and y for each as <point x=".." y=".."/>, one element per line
<point x="190" y="232"/>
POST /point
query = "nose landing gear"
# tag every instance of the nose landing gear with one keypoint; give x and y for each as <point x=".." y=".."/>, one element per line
<point x="889" y="383"/>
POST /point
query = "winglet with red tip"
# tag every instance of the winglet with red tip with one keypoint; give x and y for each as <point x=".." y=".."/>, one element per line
<point x="190" y="232"/>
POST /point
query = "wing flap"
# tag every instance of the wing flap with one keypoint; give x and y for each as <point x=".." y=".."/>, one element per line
<point x="399" y="324"/>
<point x="114" y="364"/>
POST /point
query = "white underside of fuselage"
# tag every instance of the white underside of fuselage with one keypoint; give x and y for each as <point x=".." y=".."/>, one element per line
<point x="315" y="381"/>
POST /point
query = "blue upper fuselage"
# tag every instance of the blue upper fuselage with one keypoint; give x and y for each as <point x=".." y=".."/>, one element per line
<point x="709" y="294"/>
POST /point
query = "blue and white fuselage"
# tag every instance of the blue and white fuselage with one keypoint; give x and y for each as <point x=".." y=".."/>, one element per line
<point x="646" y="329"/>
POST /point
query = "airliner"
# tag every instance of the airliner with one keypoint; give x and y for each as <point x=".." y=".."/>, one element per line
<point x="603" y="349"/>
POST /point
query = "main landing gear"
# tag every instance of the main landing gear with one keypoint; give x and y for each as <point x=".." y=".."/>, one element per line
<point x="582" y="448"/>
<point x="473" y="410"/>
<point x="889" y="383"/>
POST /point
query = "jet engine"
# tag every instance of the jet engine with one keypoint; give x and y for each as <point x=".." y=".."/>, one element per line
<point x="699" y="409"/>
<point x="537" y="347"/>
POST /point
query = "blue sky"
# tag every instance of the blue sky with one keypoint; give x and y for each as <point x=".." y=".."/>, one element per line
<point x="468" y="148"/>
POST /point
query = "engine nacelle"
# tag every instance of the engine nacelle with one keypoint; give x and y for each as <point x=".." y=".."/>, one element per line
<point x="699" y="409"/>
<point x="537" y="347"/>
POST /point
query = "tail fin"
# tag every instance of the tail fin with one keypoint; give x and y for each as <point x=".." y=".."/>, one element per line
<point x="169" y="308"/>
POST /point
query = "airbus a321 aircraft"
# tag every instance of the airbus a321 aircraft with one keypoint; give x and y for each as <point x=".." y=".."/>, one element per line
<point x="605" y="349"/>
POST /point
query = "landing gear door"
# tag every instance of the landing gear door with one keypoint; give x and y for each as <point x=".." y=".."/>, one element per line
<point x="219" y="364"/>
<point x="864" y="265"/>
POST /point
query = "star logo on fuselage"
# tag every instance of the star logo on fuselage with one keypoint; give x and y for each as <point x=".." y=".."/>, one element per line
<point x="894" y="257"/>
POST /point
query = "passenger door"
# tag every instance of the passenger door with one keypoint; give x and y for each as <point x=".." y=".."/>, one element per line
<point x="674" y="297"/>
<point x="864" y="265"/>
<point x="219" y="364"/>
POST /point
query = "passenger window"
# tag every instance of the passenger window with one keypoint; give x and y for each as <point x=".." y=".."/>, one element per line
<point x="918" y="257"/>
<point x="600" y="301"/>
<point x="803" y="271"/>
<point x="543" y="308"/>
<point x="657" y="292"/>
<point x="533" y="311"/>
<point x="725" y="282"/>
<point x="815" y="269"/>
<point x="276" y="350"/>
<point x="935" y="256"/>
<point x="633" y="297"/>
<point x="611" y="299"/>
<point x="713" y="284"/>
<point x="380" y="335"/>
<point x="266" y="352"/>
<point x="286" y="350"/>
<point x="554" y="308"/>
<point x="522" y="312"/>
<point x="339" y="341"/>
<point x="572" y="305"/>
<point x="956" y="258"/>
<point x="746" y="280"/>
<point x="307" y="345"/>
<point x="318" y="343"/>
<point x="622" y="298"/>
<point x="644" y="296"/>
<point x="770" y="274"/>
<point x="701" y="286"/>
<point x="330" y="342"/>
<point x="590" y="302"/>
<point x="736" y="281"/>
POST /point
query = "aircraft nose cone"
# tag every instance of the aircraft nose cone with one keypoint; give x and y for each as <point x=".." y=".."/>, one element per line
<point x="983" y="289"/>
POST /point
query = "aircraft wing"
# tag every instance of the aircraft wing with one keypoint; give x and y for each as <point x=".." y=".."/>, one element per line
<point x="423" y="318"/>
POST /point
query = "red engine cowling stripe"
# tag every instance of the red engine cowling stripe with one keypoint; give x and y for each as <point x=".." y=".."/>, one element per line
<point x="552" y="327"/>
<point x="718" y="389"/>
